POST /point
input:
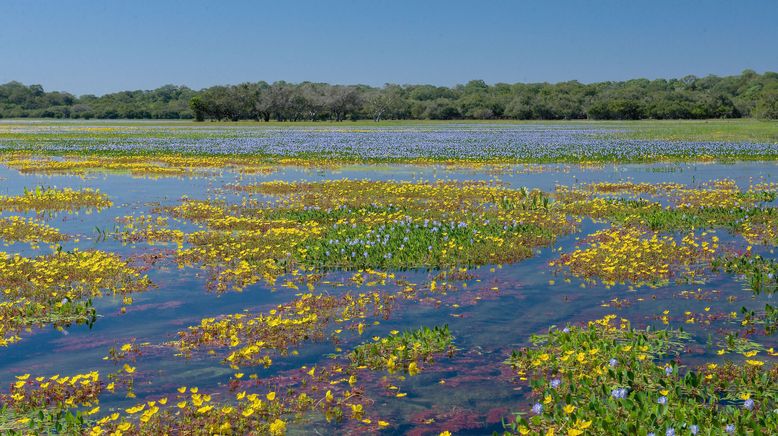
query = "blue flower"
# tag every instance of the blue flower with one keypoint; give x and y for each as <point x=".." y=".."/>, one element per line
<point x="619" y="393"/>
<point x="748" y="404"/>
<point x="537" y="409"/>
<point x="670" y="432"/>
<point x="694" y="429"/>
<point x="555" y="383"/>
<point x="613" y="362"/>
<point x="662" y="400"/>
<point x="730" y="428"/>
<point x="668" y="370"/>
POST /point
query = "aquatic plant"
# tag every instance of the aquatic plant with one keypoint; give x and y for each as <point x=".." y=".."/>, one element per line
<point x="626" y="254"/>
<point x="760" y="274"/>
<point x="51" y="199"/>
<point x="404" y="351"/>
<point x="20" y="229"/>
<point x="606" y="377"/>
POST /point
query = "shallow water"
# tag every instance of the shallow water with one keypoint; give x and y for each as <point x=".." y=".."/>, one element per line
<point x="478" y="390"/>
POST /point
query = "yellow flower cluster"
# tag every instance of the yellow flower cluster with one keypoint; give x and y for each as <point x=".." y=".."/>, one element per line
<point x="20" y="229"/>
<point x="28" y="393"/>
<point x="170" y="165"/>
<point x="251" y="337"/>
<point x="51" y="199"/>
<point x="148" y="229"/>
<point x="49" y="289"/>
<point x="618" y="255"/>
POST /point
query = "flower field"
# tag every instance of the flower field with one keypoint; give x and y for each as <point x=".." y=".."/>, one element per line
<point x="435" y="279"/>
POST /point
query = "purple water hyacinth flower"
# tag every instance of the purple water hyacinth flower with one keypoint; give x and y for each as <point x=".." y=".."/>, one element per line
<point x="668" y="370"/>
<point x="537" y="409"/>
<point x="613" y="362"/>
<point x="694" y="429"/>
<point x="670" y="432"/>
<point x="555" y="383"/>
<point x="730" y="428"/>
<point x="566" y="330"/>
<point x="662" y="400"/>
<point x="748" y="404"/>
<point x="619" y="393"/>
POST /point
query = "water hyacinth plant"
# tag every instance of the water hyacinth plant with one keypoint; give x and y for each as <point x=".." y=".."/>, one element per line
<point x="606" y="377"/>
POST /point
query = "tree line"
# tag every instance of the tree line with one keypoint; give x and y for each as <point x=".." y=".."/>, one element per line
<point x="746" y="95"/>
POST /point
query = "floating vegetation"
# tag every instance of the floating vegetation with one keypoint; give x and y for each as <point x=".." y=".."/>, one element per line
<point x="759" y="226"/>
<point x="607" y="377"/>
<point x="53" y="200"/>
<point x="37" y="405"/>
<point x="248" y="339"/>
<point x="149" y="229"/>
<point x="29" y="230"/>
<point x="760" y="274"/>
<point x="50" y="288"/>
<point x="170" y="165"/>
<point x="347" y="224"/>
<point x="406" y="351"/>
<point x="426" y="144"/>
<point x="620" y="255"/>
<point x="716" y="204"/>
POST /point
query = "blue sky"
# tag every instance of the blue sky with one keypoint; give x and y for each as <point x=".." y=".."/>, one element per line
<point x="105" y="46"/>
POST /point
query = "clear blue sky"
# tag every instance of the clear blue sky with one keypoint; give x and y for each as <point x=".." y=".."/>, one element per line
<point x="104" y="46"/>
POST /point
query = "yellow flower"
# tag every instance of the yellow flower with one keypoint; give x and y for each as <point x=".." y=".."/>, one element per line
<point x="277" y="427"/>
<point x="129" y="369"/>
<point x="755" y="362"/>
<point x="569" y="409"/>
<point x="270" y="396"/>
<point x="247" y="412"/>
<point x="583" y="425"/>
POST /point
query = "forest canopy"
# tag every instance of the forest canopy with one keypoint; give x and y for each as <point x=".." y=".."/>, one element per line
<point x="746" y="95"/>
